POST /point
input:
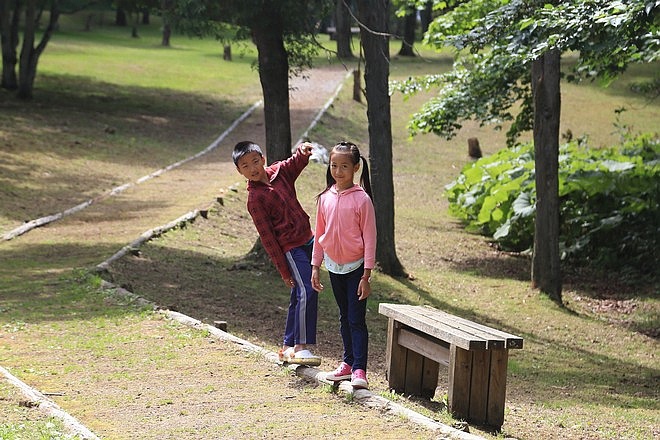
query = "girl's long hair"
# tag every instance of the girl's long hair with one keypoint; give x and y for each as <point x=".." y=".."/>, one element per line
<point x="352" y="149"/>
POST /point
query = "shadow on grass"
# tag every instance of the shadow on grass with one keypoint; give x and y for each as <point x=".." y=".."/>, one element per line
<point x="80" y="138"/>
<point x="40" y="283"/>
<point x="501" y="266"/>
<point x="253" y="302"/>
<point x="556" y="370"/>
<point x="206" y="281"/>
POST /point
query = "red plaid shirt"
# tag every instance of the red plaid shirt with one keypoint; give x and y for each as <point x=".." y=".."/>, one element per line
<point x="280" y="220"/>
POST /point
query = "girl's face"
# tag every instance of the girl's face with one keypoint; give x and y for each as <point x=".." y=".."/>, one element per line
<point x="343" y="169"/>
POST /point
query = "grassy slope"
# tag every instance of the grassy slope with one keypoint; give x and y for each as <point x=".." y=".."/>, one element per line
<point x="575" y="376"/>
<point x="580" y="374"/>
<point x="75" y="140"/>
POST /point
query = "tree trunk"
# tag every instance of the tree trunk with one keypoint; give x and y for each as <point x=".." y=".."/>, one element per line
<point x="343" y="30"/>
<point x="166" y="7"/>
<point x="134" y="30"/>
<point x="426" y="16"/>
<point x="9" y="21"/>
<point x="373" y="16"/>
<point x="25" y="63"/>
<point x="408" y="42"/>
<point x="27" y="69"/>
<point x="120" y="17"/>
<point x="167" y="33"/>
<point x="88" y="22"/>
<point x="546" y="274"/>
<point x="274" y="77"/>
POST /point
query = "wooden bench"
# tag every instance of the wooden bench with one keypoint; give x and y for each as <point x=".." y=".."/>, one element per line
<point x="420" y="338"/>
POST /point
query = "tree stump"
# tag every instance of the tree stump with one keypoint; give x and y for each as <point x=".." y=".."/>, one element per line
<point x="473" y="148"/>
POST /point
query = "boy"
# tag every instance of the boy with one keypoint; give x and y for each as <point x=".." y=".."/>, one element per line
<point x="286" y="235"/>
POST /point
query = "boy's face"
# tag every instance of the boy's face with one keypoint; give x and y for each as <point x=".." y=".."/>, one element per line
<point x="251" y="166"/>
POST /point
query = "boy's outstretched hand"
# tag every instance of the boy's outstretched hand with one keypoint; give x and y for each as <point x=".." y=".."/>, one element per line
<point x="306" y="148"/>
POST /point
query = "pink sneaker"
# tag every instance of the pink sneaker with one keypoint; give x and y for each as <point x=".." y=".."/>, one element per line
<point x="359" y="379"/>
<point x="342" y="372"/>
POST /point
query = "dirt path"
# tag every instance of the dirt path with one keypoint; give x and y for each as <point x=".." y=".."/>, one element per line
<point x="120" y="397"/>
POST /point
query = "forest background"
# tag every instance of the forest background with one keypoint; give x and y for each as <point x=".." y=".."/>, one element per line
<point x="453" y="270"/>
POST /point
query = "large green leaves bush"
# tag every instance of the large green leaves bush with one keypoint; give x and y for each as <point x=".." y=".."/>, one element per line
<point x="609" y="202"/>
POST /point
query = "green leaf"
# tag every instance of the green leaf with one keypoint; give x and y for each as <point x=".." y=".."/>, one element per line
<point x="527" y="23"/>
<point x="614" y="166"/>
<point x="523" y="206"/>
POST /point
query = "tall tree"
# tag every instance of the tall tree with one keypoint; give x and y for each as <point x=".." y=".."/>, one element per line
<point x="30" y="53"/>
<point x="373" y="16"/>
<point x="283" y="33"/>
<point x="426" y="15"/>
<point x="32" y="12"/>
<point x="343" y="29"/>
<point x="546" y="273"/>
<point x="166" y="7"/>
<point x="9" y="18"/>
<point x="408" y="22"/>
<point x="509" y="58"/>
<point x="268" y="35"/>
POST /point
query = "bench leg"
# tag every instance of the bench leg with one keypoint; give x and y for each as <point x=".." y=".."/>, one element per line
<point x="497" y="387"/>
<point x="460" y="370"/>
<point x="477" y="385"/>
<point x="421" y="375"/>
<point x="430" y="378"/>
<point x="395" y="358"/>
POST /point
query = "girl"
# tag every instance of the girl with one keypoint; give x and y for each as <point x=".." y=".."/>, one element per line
<point x="346" y="239"/>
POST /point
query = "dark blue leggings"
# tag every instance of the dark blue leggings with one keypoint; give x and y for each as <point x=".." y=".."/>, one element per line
<point x="352" y="317"/>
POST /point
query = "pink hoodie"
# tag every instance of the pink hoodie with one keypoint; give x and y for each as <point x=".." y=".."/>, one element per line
<point x="345" y="227"/>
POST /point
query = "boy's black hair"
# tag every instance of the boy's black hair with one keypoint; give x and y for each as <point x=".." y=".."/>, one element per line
<point x="356" y="157"/>
<point x="243" y="148"/>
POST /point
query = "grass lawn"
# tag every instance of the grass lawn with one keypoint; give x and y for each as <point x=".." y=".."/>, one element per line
<point x="128" y="106"/>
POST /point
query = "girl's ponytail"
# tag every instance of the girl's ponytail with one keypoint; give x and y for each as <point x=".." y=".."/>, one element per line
<point x="365" y="183"/>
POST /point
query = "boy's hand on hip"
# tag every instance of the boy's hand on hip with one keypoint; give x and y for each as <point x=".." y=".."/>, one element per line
<point x="290" y="282"/>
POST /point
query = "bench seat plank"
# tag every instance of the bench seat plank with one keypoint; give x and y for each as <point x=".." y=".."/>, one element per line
<point x="436" y="329"/>
<point x="442" y="318"/>
<point x="512" y="341"/>
<point x="455" y="330"/>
